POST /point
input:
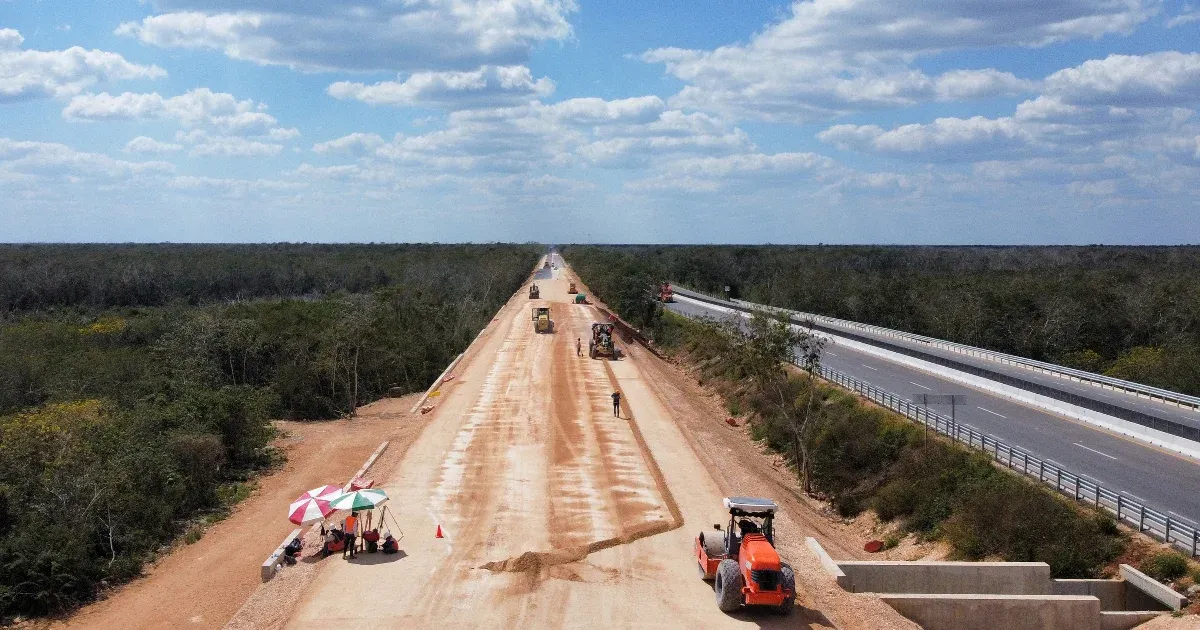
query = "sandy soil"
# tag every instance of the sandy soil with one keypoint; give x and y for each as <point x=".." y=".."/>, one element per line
<point x="203" y="584"/>
<point x="557" y="513"/>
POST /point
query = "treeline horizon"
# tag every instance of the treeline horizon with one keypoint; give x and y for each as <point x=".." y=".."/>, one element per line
<point x="1131" y="312"/>
<point x="138" y="383"/>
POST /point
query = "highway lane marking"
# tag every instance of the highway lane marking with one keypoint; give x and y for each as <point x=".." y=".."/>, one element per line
<point x="919" y="385"/>
<point x="992" y="412"/>
<point x="830" y="353"/>
<point x="869" y="367"/>
<point x="1182" y="517"/>
<point x="1093" y="450"/>
<point x="1092" y="478"/>
<point x="1133" y="496"/>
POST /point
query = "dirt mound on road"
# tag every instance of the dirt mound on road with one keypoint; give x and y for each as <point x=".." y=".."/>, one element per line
<point x="535" y="561"/>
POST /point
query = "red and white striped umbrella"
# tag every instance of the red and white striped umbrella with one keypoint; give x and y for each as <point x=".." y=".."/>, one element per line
<point x="313" y="505"/>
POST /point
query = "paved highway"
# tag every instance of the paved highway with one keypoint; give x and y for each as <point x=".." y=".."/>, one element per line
<point x="1164" y="481"/>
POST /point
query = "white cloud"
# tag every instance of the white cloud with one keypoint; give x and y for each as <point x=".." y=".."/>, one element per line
<point x="413" y="35"/>
<point x="969" y="84"/>
<point x="1156" y="80"/>
<point x="945" y="139"/>
<point x="488" y="86"/>
<point x="197" y="107"/>
<point x="357" y="143"/>
<point x="832" y="57"/>
<point x="27" y="74"/>
<point x="233" y="146"/>
<point x="1187" y="17"/>
<point x="51" y="159"/>
<point x="143" y="144"/>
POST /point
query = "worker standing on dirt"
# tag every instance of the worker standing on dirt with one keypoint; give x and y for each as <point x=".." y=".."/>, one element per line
<point x="351" y="530"/>
<point x="578" y="347"/>
<point x="616" y="396"/>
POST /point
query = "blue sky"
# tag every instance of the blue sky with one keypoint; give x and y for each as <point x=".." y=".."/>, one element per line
<point x="835" y="121"/>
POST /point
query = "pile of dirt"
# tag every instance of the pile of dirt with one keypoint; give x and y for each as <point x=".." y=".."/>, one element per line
<point x="535" y="561"/>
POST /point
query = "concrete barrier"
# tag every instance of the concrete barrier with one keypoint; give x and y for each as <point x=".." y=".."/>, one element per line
<point x="1151" y="588"/>
<point x="829" y="565"/>
<point x="998" y="612"/>
<point x="441" y="377"/>
<point x="998" y="578"/>
<point x="272" y="563"/>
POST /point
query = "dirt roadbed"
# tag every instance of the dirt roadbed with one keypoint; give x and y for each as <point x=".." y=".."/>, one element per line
<point x="557" y="513"/>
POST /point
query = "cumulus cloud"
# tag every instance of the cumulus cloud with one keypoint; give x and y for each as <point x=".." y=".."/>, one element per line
<point x="52" y="159"/>
<point x="413" y="35"/>
<point x="197" y="107"/>
<point x="355" y="143"/>
<point x="488" y="86"/>
<point x="1156" y="80"/>
<point x="144" y="144"/>
<point x="27" y="74"/>
<point x="945" y="139"/>
<point x="969" y="84"/>
<point x="832" y="57"/>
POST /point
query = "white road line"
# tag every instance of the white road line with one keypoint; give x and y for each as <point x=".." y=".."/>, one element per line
<point x="830" y="353"/>
<point x="992" y="412"/>
<point x="1182" y="517"/>
<point x="1093" y="450"/>
<point x="869" y="367"/>
<point x="920" y="385"/>
<point x="1134" y="496"/>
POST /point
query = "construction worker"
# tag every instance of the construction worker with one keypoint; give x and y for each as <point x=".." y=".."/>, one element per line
<point x="578" y="347"/>
<point x="616" y="396"/>
<point x="351" y="531"/>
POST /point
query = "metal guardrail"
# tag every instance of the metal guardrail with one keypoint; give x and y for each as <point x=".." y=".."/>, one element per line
<point x="1125" y="509"/>
<point x="1099" y="380"/>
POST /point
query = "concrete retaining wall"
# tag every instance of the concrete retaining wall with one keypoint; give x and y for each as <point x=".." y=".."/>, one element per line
<point x="998" y="612"/>
<point x="1002" y="578"/>
<point x="1111" y="593"/>
<point x="1147" y="593"/>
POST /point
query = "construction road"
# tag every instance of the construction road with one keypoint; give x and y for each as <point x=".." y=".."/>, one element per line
<point x="556" y="513"/>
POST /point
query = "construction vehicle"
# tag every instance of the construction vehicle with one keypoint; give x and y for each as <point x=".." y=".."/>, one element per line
<point x="601" y="343"/>
<point x="534" y="292"/>
<point x="541" y="319"/>
<point x="742" y="561"/>
<point x="571" y="288"/>
<point x="580" y="298"/>
<point x="665" y="294"/>
<point x="547" y="265"/>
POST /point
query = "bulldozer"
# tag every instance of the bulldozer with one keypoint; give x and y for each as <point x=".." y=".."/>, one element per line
<point x="741" y="559"/>
<point x="534" y="292"/>
<point x="665" y="294"/>
<point x="541" y="319"/>
<point x="571" y="288"/>
<point x="601" y="343"/>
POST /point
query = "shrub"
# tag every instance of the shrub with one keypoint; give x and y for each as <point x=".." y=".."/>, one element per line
<point x="1165" y="566"/>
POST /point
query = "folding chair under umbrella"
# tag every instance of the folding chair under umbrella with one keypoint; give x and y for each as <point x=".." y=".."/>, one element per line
<point x="314" y="505"/>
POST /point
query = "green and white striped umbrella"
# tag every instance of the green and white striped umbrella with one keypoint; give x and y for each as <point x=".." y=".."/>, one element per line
<point x="359" y="500"/>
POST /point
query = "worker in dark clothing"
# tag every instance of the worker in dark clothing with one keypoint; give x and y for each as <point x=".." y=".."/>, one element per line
<point x="578" y="347"/>
<point x="616" y="396"/>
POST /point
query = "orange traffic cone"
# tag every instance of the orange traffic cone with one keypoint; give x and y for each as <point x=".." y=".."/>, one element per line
<point x="439" y="532"/>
